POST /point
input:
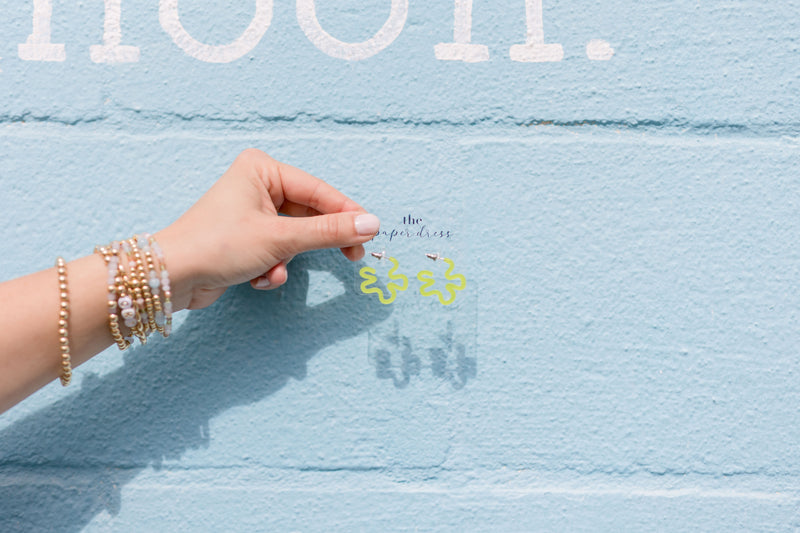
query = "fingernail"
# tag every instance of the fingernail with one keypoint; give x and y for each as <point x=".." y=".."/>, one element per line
<point x="262" y="283"/>
<point x="367" y="224"/>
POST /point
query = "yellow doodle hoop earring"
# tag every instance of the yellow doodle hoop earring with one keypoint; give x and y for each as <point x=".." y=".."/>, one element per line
<point x="369" y="275"/>
<point x="426" y="277"/>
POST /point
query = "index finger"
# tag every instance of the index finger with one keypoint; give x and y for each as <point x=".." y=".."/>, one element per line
<point x="300" y="187"/>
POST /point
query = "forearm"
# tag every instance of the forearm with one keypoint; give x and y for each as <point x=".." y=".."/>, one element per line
<point x="30" y="356"/>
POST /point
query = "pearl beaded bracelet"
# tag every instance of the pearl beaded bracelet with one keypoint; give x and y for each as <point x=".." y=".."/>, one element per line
<point x="116" y="294"/>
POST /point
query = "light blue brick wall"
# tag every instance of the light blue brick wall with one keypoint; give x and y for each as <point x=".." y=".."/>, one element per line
<point x="625" y="354"/>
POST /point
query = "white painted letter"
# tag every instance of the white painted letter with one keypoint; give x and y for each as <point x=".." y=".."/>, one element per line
<point x="111" y="51"/>
<point x="462" y="49"/>
<point x="534" y="49"/>
<point x="38" y="46"/>
<point x="599" y="50"/>
<point x="170" y="21"/>
<point x="307" y="17"/>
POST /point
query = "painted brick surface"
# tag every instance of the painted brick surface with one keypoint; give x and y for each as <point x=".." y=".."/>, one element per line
<point x="624" y="356"/>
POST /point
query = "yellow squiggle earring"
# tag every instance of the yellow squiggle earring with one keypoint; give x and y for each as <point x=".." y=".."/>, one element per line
<point x="368" y="273"/>
<point x="426" y="277"/>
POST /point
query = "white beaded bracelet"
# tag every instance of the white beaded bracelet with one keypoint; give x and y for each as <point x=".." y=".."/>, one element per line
<point x="164" y="284"/>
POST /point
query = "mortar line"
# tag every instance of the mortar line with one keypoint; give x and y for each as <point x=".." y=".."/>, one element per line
<point x="546" y="135"/>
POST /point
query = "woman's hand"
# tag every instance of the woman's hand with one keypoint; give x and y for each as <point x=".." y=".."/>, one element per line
<point x="234" y="232"/>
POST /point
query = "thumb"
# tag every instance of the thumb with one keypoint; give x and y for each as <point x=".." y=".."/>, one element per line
<point x="295" y="235"/>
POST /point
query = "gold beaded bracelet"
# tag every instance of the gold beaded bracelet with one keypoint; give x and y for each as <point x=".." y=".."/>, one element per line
<point x="149" y="313"/>
<point x="155" y="284"/>
<point x="63" y="322"/>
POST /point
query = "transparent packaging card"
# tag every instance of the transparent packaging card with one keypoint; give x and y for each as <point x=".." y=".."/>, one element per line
<point x="417" y="270"/>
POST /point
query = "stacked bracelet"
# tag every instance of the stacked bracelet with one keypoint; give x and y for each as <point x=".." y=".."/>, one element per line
<point x="138" y="290"/>
<point x="139" y="295"/>
<point x="63" y="322"/>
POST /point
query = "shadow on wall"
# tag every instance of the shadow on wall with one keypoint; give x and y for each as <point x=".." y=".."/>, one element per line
<point x="66" y="463"/>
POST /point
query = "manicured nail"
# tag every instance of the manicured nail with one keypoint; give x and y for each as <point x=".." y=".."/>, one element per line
<point x="262" y="283"/>
<point x="367" y="224"/>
